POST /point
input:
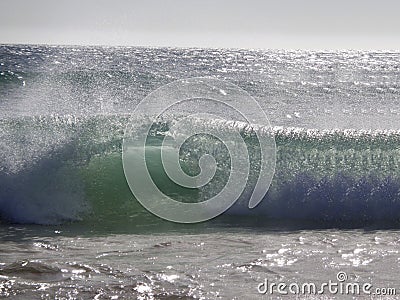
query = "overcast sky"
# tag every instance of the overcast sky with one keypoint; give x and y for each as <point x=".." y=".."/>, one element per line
<point x="286" y="24"/>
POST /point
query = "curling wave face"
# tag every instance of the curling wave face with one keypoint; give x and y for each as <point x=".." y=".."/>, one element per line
<point x="56" y="169"/>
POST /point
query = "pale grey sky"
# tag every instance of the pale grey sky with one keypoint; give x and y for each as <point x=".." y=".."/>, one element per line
<point x="286" y="24"/>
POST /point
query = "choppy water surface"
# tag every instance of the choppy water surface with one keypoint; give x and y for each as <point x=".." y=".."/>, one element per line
<point x="206" y="264"/>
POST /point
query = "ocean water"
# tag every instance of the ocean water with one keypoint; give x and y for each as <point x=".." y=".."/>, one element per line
<point x="70" y="228"/>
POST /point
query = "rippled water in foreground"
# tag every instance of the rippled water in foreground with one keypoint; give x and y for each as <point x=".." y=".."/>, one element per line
<point x="207" y="264"/>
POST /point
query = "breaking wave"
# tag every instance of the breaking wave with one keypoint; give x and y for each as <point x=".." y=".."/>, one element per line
<point x="58" y="169"/>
